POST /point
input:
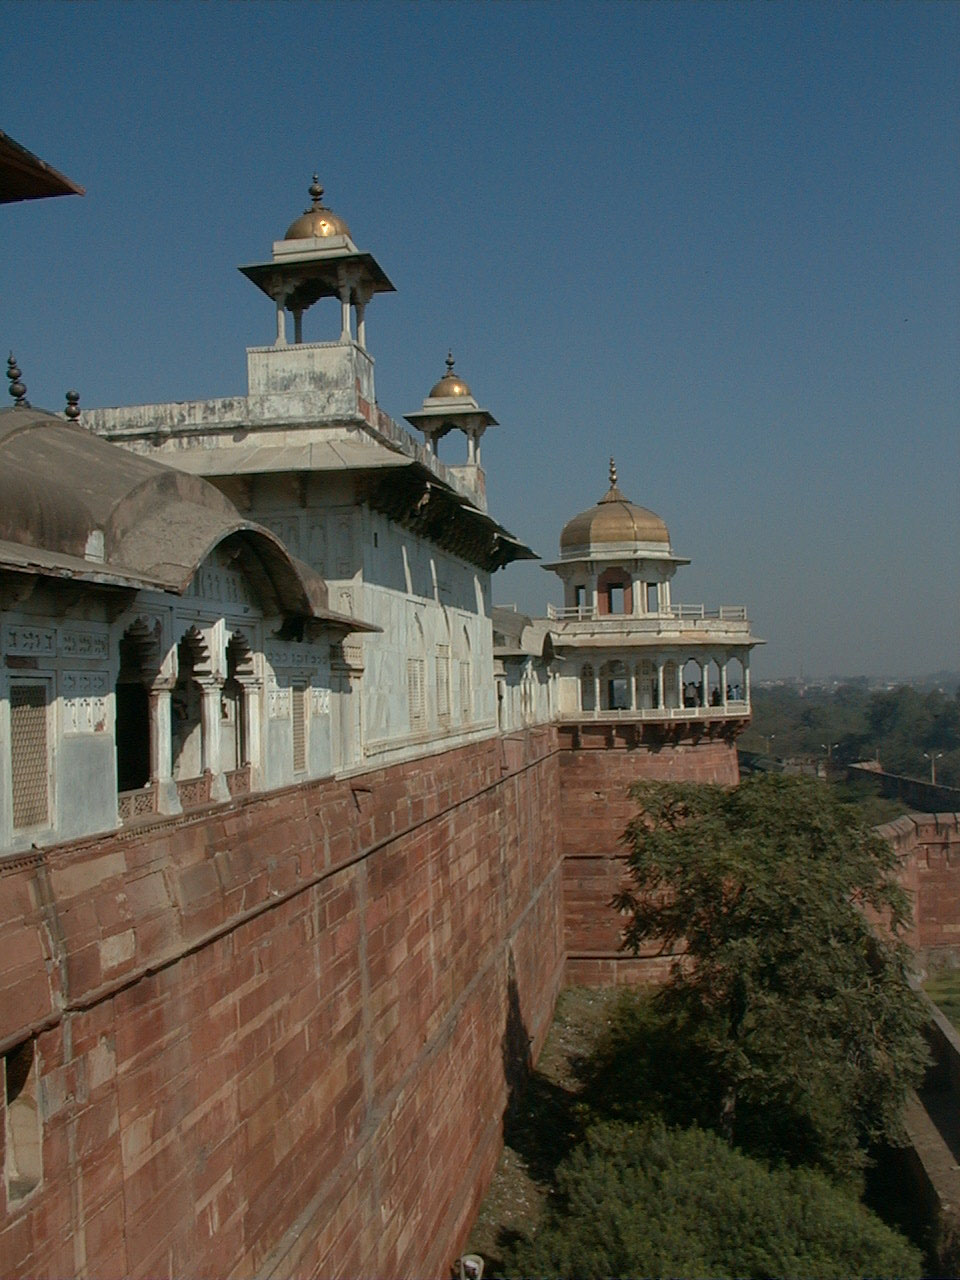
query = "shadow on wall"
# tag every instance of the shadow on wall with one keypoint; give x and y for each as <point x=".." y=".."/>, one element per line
<point x="515" y="1051"/>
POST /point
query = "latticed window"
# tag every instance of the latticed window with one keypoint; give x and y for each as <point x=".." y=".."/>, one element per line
<point x="299" y="729"/>
<point x="466" y="692"/>
<point x="443" y="681"/>
<point x="29" y="757"/>
<point x="415" y="698"/>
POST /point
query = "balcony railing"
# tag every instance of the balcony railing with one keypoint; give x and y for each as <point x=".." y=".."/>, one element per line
<point x="674" y="612"/>
<point x="732" y="711"/>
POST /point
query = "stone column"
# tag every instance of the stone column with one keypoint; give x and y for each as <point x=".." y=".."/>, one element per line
<point x="345" y="334"/>
<point x="596" y="692"/>
<point x="723" y="684"/>
<point x="281" y="324"/>
<point x="746" y="678"/>
<point x="161" y="749"/>
<point x="298" y="325"/>
<point x="251" y="724"/>
<point x="361" y="310"/>
<point x="704" y="684"/>
<point x="210" y="761"/>
<point x="660" y="702"/>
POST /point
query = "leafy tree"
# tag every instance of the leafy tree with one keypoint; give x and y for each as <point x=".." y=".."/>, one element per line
<point x="799" y="1006"/>
<point x="647" y="1201"/>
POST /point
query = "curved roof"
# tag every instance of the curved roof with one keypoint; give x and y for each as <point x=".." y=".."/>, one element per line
<point x="81" y="500"/>
<point x="614" y="521"/>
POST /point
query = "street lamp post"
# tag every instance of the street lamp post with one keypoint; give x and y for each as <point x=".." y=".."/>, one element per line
<point x="933" y="757"/>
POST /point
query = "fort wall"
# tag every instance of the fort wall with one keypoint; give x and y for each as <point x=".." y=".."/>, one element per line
<point x="929" y="844"/>
<point x="598" y="765"/>
<point x="277" y="1037"/>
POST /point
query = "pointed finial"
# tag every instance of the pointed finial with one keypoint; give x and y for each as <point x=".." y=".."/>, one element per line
<point x="613" y="474"/>
<point x="316" y="192"/>
<point x="449" y="362"/>
<point x="72" y="410"/>
<point x="16" y="388"/>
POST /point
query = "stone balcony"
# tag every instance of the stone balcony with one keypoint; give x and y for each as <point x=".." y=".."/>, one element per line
<point x="732" y="710"/>
<point x="679" y="623"/>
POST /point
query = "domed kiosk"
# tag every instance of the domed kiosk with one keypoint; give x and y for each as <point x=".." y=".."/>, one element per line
<point x="626" y="652"/>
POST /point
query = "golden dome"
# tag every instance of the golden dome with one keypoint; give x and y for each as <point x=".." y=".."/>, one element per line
<point x="317" y="220"/>
<point x="450" y="384"/>
<point x="614" y="522"/>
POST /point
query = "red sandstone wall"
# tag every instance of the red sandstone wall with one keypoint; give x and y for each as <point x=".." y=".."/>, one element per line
<point x="272" y="1036"/>
<point x="598" y="765"/>
<point x="929" y="845"/>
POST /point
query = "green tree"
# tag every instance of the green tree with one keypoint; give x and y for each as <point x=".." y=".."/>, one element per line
<point x="799" y="1006"/>
<point x="638" y="1200"/>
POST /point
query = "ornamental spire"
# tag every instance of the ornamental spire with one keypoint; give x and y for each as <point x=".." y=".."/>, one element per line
<point x="16" y="388"/>
<point x="613" y="474"/>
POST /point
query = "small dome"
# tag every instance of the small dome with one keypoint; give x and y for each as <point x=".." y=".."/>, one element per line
<point x="614" y="522"/>
<point x="317" y="221"/>
<point x="451" y="384"/>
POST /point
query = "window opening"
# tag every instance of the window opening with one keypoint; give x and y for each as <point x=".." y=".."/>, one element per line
<point x="653" y="599"/>
<point x="616" y="597"/>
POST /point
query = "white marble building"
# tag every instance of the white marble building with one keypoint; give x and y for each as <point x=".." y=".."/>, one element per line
<point x="624" y="650"/>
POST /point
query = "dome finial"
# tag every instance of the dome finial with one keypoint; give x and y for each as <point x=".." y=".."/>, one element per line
<point x="16" y="388"/>
<point x="449" y="362"/>
<point x="613" y="474"/>
<point x="315" y="191"/>
<point x="72" y="410"/>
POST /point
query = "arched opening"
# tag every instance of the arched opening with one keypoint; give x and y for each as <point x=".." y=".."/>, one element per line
<point x="234" y="729"/>
<point x="736" y="680"/>
<point x="139" y="664"/>
<point x="588" y="689"/>
<point x="652" y="592"/>
<point x="187" y="709"/>
<point x="614" y="686"/>
<point x="693" y="692"/>
<point x="614" y="593"/>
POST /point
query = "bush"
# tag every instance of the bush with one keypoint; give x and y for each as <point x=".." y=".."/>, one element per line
<point x="644" y="1200"/>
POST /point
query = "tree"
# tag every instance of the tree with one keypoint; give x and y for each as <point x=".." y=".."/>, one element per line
<point x="647" y="1201"/>
<point x="798" y="1004"/>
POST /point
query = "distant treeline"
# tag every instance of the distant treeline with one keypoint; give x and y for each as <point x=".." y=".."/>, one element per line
<point x="853" y="723"/>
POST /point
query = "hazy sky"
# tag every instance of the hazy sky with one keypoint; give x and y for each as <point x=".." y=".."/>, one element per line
<point x="716" y="241"/>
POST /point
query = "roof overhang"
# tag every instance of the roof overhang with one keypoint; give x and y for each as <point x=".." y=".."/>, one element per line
<point x="24" y="176"/>
<point x="302" y="282"/>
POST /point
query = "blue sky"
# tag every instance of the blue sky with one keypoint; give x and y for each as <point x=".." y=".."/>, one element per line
<point x="716" y="241"/>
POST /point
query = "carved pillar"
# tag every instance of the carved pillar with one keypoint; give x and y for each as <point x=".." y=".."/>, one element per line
<point x="161" y="748"/>
<point x="660" y="684"/>
<point x="211" y="762"/>
<point x="361" y="309"/>
<point x="723" y="684"/>
<point x="345" y="334"/>
<point x="746" y="679"/>
<point x="704" y="684"/>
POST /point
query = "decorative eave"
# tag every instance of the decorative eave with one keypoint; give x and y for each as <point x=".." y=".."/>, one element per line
<point x="303" y="280"/>
<point x="416" y="500"/>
